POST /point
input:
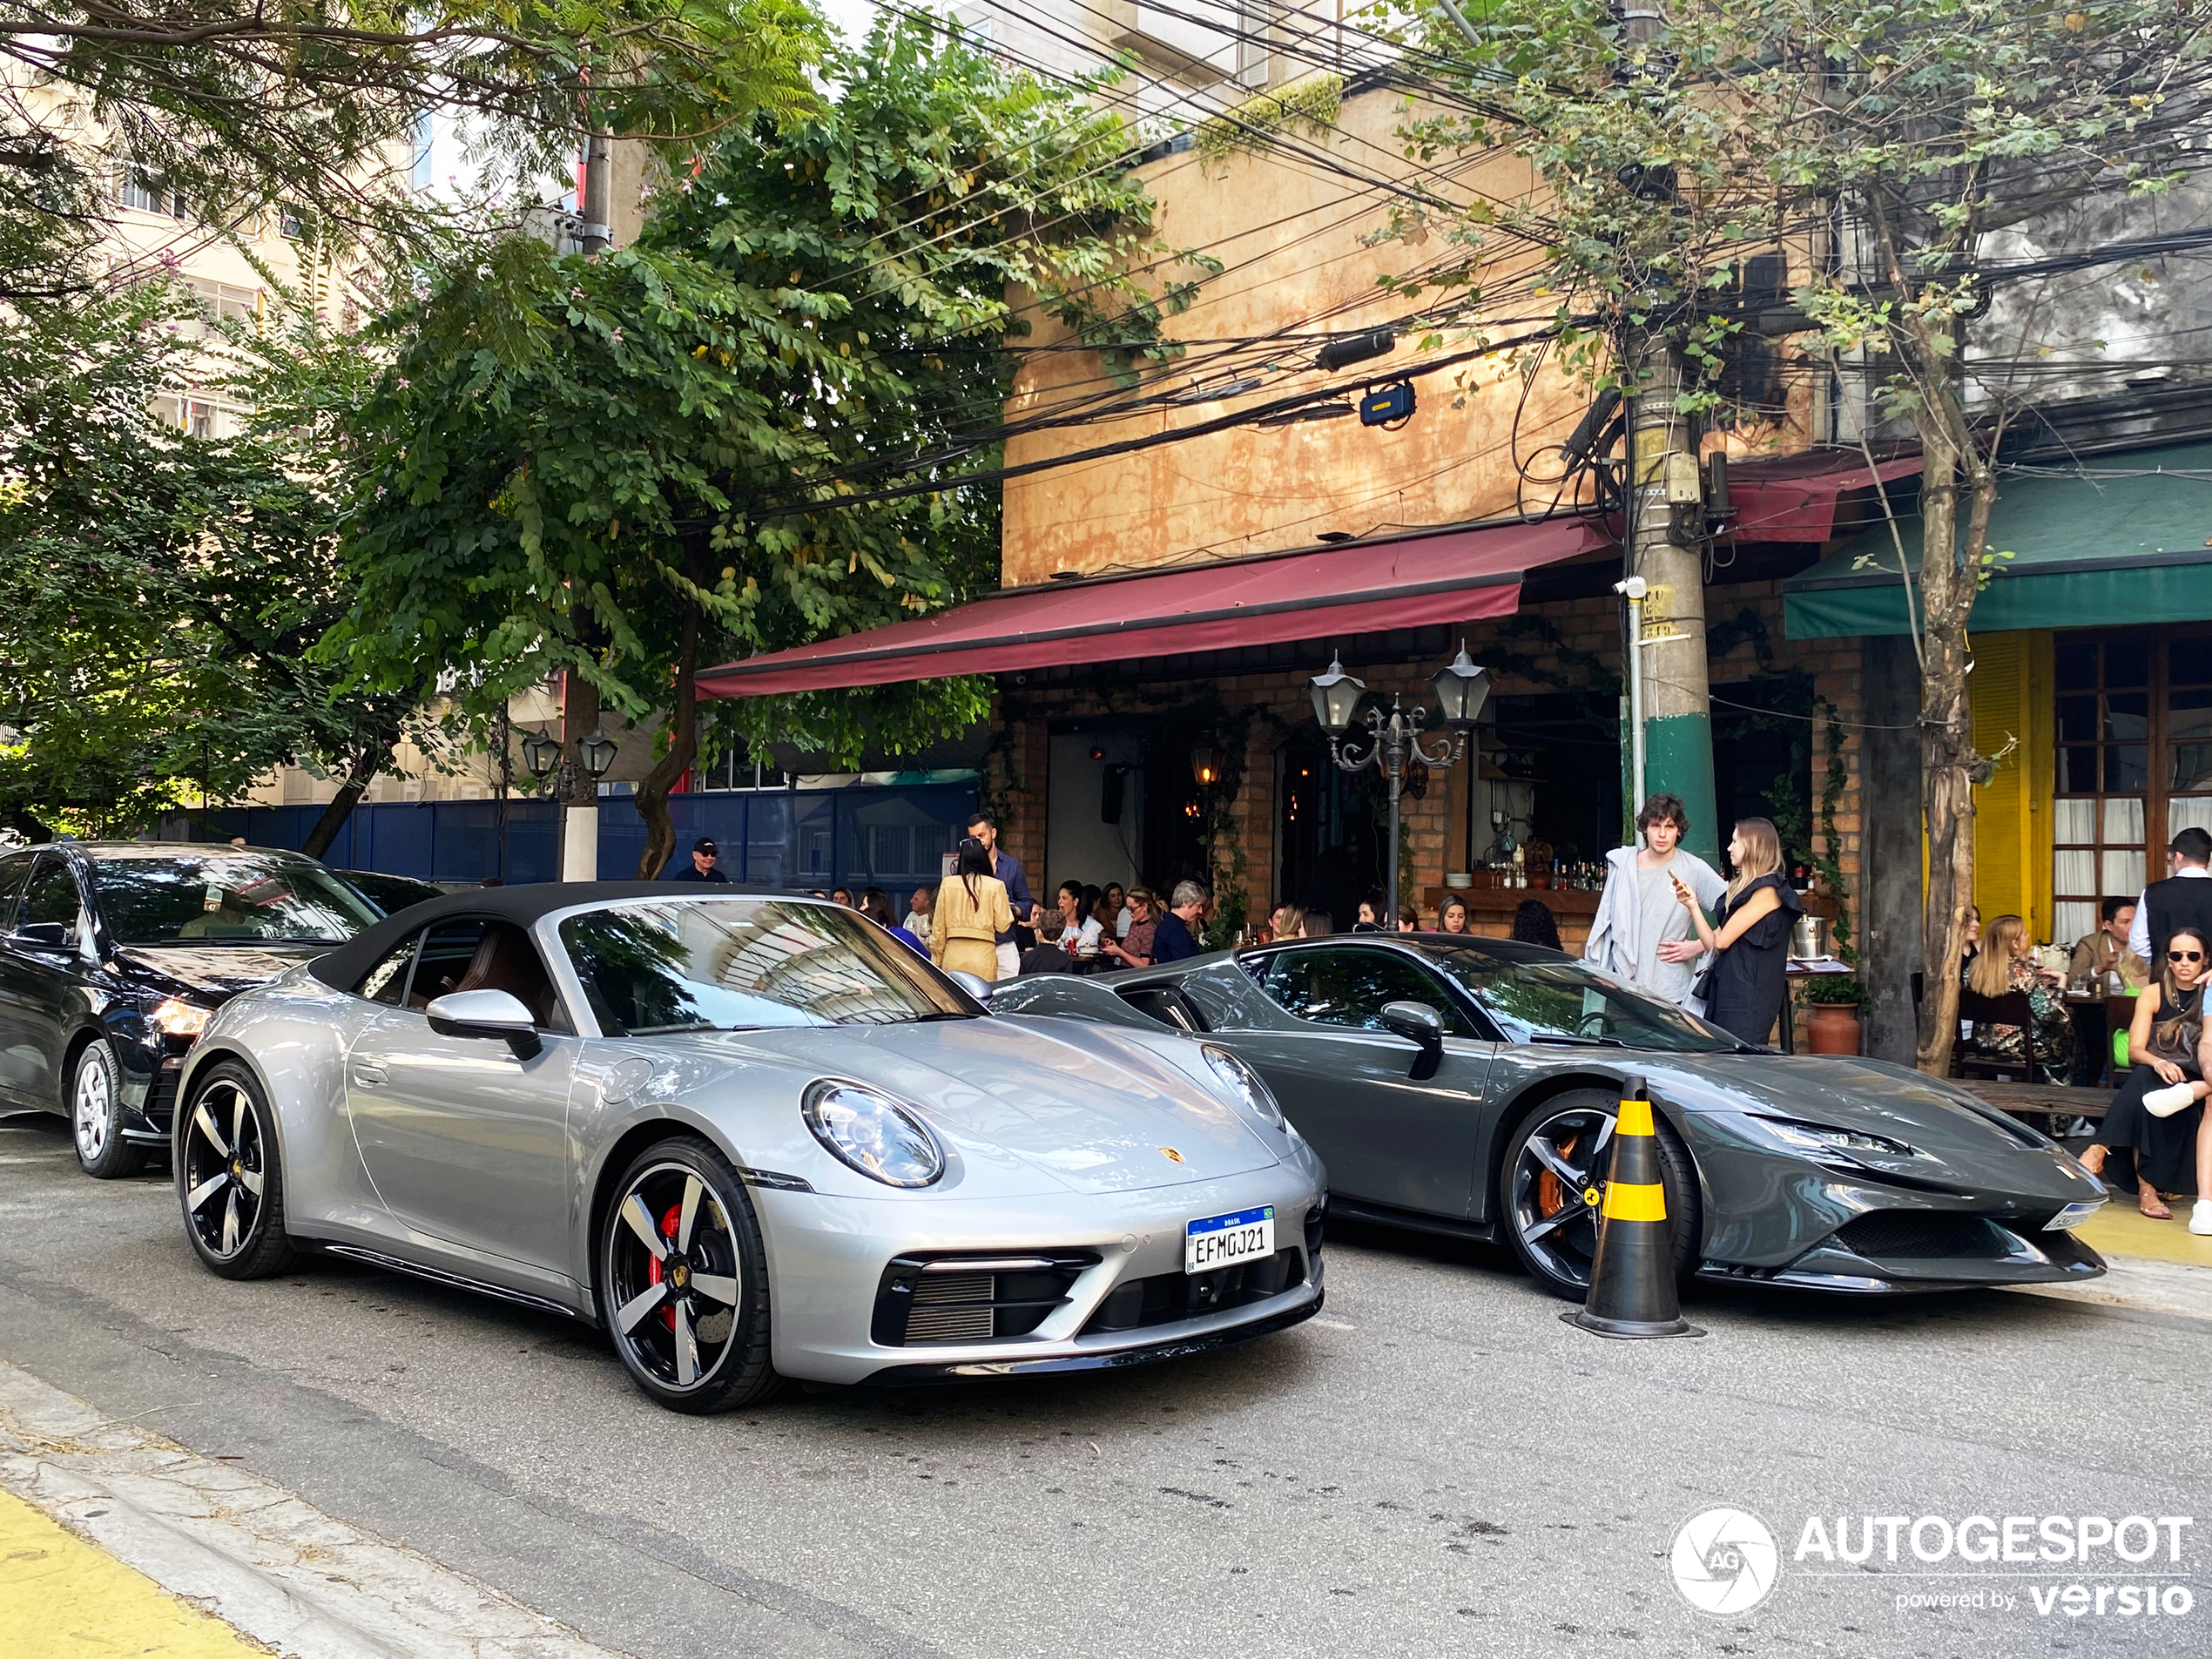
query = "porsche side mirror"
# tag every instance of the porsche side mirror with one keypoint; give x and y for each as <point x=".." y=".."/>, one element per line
<point x="1419" y="1023"/>
<point x="484" y="1013"/>
<point x="977" y="987"/>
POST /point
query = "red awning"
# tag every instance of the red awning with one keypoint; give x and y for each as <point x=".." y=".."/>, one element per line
<point x="1792" y="498"/>
<point x="1459" y="576"/>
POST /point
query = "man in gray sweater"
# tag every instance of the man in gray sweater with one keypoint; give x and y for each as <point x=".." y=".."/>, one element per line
<point x="1641" y="934"/>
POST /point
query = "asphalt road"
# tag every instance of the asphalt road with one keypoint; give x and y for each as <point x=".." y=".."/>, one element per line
<point x="1437" y="1465"/>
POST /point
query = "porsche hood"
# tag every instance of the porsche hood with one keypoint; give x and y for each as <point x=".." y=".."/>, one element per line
<point x="1095" y="1110"/>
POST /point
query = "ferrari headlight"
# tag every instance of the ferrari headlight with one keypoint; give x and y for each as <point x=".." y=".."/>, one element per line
<point x="1819" y="1137"/>
<point x="1244" y="1084"/>
<point x="178" y="1018"/>
<point x="873" y="1133"/>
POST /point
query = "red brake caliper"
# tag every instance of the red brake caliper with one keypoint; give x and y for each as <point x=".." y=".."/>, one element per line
<point x="652" y="1267"/>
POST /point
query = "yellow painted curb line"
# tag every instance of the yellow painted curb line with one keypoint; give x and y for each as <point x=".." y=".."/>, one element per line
<point x="2119" y="1228"/>
<point x="61" y="1598"/>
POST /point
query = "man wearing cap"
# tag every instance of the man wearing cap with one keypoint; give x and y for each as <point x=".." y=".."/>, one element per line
<point x="703" y="854"/>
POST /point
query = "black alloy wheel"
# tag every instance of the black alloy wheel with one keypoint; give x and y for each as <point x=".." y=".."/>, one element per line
<point x="229" y="1177"/>
<point x="1551" y="1186"/>
<point x="683" y="1280"/>
<point x="96" y="1114"/>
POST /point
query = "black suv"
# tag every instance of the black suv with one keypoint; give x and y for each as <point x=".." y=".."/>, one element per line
<point x="112" y="953"/>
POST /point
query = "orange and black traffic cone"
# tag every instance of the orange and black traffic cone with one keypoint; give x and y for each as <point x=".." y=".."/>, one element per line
<point x="1632" y="1275"/>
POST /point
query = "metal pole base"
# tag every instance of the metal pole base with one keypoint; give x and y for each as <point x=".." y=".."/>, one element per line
<point x="1626" y="1329"/>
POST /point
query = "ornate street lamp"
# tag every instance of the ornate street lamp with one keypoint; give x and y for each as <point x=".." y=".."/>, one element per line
<point x="1394" y="736"/>
<point x="599" y="751"/>
<point x="541" y="753"/>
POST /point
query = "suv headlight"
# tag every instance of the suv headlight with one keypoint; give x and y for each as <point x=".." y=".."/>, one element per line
<point x="1244" y="1085"/>
<point x="871" y="1133"/>
<point x="179" y="1019"/>
<point x="1819" y="1137"/>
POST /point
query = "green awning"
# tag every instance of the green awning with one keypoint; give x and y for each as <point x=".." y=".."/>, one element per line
<point x="2115" y="539"/>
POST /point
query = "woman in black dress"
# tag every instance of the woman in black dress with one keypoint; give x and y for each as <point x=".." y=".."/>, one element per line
<point x="1745" y="988"/>
<point x="2153" y="1120"/>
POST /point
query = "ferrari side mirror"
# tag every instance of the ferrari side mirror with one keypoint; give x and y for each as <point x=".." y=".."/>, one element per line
<point x="1419" y="1023"/>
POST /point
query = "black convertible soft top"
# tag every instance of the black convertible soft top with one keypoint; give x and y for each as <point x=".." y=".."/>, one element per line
<point x="523" y="906"/>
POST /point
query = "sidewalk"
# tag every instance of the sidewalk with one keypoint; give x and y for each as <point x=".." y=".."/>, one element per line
<point x="114" y="1542"/>
<point x="2157" y="1267"/>
<point x="60" y="1598"/>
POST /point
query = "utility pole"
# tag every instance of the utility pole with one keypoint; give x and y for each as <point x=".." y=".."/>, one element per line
<point x="1666" y="537"/>
<point x="594" y="235"/>
<point x="578" y="787"/>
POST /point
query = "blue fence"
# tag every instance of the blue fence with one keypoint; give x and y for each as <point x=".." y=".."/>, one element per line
<point x="891" y="836"/>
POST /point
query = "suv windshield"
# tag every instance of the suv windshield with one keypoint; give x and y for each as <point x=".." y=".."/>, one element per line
<point x="650" y="969"/>
<point x="217" y="897"/>
<point x="1560" y="998"/>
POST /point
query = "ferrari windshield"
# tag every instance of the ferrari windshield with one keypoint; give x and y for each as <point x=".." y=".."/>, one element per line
<point x="1556" y="999"/>
<point x="212" y="898"/>
<point x="650" y="969"/>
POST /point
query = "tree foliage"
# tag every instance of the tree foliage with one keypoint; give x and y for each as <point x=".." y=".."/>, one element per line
<point x="228" y="108"/>
<point x="160" y="593"/>
<point x="1879" y="144"/>
<point x="624" y="465"/>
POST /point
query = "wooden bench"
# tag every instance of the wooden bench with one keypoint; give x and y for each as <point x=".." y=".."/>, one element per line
<point x="2054" y="1103"/>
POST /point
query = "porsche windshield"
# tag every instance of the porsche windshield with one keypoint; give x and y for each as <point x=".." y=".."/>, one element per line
<point x="651" y="969"/>
<point x="1558" y="1000"/>
<point x="216" y="898"/>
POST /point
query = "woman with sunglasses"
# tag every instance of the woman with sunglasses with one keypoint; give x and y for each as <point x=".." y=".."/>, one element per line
<point x="2154" y="1116"/>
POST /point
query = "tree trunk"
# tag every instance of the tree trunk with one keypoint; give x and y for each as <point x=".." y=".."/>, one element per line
<point x="1949" y="578"/>
<point x="683" y="749"/>
<point x="367" y="761"/>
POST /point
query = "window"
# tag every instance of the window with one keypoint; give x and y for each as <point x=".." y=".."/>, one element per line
<point x="2134" y="764"/>
<point x="225" y="896"/>
<point x="387" y="981"/>
<point x="740" y="964"/>
<point x="53" y="897"/>
<point x="447" y="950"/>
<point x="13" y="874"/>
<point x="1348" y="986"/>
<point x="225" y="303"/>
<point x="143" y="192"/>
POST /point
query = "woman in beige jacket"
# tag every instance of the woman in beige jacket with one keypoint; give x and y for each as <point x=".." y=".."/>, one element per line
<point x="972" y="910"/>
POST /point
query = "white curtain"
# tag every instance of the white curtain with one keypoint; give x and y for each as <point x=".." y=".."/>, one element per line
<point x="2123" y="874"/>
<point x="2073" y="921"/>
<point x="2075" y="821"/>
<point x="2074" y="870"/>
<point x="2189" y="812"/>
<point x="2123" y="821"/>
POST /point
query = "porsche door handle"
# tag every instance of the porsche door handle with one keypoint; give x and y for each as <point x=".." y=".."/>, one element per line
<point x="369" y="1073"/>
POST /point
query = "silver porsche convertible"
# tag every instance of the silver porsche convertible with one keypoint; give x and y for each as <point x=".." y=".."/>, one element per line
<point x="753" y="1136"/>
<point x="1467" y="1086"/>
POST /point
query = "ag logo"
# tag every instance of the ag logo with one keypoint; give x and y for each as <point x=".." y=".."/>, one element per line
<point x="1724" y="1562"/>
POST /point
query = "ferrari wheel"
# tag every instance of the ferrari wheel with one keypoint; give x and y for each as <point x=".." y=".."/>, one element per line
<point x="1552" y="1184"/>
<point x="229" y="1177"/>
<point x="683" y="1280"/>
<point x="96" y="1114"/>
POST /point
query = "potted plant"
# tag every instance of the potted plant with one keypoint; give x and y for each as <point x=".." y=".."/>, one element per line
<point x="1832" y="1002"/>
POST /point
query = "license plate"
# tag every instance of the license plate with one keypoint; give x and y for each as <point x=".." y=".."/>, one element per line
<point x="1223" y="1241"/>
<point x="2073" y="1215"/>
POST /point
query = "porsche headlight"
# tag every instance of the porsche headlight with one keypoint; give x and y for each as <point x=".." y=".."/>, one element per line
<point x="1819" y="1137"/>
<point x="1244" y="1085"/>
<point x="178" y="1018"/>
<point x="873" y="1134"/>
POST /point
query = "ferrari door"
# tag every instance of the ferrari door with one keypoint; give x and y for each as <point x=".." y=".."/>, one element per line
<point x="1388" y="1136"/>
<point x="466" y="1138"/>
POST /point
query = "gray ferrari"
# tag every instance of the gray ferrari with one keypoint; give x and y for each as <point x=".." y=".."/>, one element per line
<point x="1467" y="1086"/>
<point x="752" y="1135"/>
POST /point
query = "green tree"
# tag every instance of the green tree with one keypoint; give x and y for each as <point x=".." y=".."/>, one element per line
<point x="230" y="107"/>
<point x="160" y="593"/>
<point x="622" y="466"/>
<point x="1916" y="129"/>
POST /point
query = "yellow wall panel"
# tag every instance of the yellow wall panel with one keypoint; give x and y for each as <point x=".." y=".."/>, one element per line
<point x="2011" y="697"/>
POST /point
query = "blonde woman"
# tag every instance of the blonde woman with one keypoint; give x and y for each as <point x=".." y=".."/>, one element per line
<point x="2005" y="964"/>
<point x="972" y="911"/>
<point x="1744" y="989"/>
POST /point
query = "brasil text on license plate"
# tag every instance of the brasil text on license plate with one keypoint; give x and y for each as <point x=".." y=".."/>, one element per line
<point x="1223" y="1241"/>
